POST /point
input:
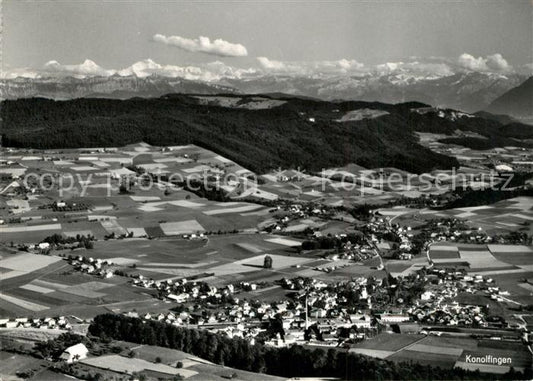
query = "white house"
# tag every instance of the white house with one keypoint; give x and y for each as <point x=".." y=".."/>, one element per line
<point x="74" y="353"/>
<point x="44" y="245"/>
<point x="386" y="318"/>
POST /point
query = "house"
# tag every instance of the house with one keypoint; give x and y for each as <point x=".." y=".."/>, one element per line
<point x="391" y="318"/>
<point x="11" y="324"/>
<point x="74" y="353"/>
<point x="44" y="245"/>
<point x="427" y="295"/>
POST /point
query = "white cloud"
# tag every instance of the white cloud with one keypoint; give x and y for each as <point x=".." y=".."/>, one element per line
<point x="222" y="70"/>
<point x="203" y="44"/>
<point x="494" y="62"/>
<point x="349" y="64"/>
<point x="87" y="68"/>
<point x="352" y="67"/>
<point x="209" y="72"/>
<point x="212" y="71"/>
<point x="529" y="67"/>
<point x="269" y="64"/>
<point x="415" y="68"/>
<point x="145" y="68"/>
<point x="388" y="67"/>
<point x="19" y="73"/>
<point x="497" y="62"/>
<point x="470" y="62"/>
<point x="342" y="66"/>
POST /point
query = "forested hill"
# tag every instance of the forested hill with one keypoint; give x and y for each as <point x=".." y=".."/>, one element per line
<point x="294" y="132"/>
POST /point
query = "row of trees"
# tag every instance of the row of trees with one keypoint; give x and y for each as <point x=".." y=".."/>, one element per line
<point x="294" y="361"/>
<point x="59" y="240"/>
<point x="471" y="197"/>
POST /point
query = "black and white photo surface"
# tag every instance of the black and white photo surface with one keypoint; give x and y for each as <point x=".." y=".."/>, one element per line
<point x="266" y="190"/>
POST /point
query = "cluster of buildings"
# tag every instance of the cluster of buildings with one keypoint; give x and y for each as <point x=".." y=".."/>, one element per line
<point x="437" y="304"/>
<point x="183" y="290"/>
<point x="254" y="321"/>
<point x="316" y="305"/>
<point x="326" y="314"/>
<point x="380" y="229"/>
<point x="89" y="265"/>
<point x="59" y="322"/>
<point x="354" y="251"/>
<point x="287" y="212"/>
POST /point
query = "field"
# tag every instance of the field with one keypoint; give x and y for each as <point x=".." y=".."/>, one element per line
<point x="160" y="210"/>
<point x="204" y="370"/>
<point x="390" y="342"/>
<point x="443" y="351"/>
<point x="146" y="362"/>
<point x="149" y="232"/>
<point x="484" y="259"/>
<point x="93" y="178"/>
<point x="445" y="359"/>
<point x="22" y="264"/>
<point x="120" y="364"/>
<point x="514" y="214"/>
<point x="11" y="363"/>
<point x="48" y="286"/>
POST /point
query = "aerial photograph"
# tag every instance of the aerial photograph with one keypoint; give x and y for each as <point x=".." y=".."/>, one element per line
<point x="266" y="190"/>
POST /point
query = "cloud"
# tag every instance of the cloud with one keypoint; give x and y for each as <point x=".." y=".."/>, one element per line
<point x="402" y="71"/>
<point x="415" y="68"/>
<point x="528" y="67"/>
<point x="269" y="64"/>
<point x="19" y="73"/>
<point x="225" y="71"/>
<point x="209" y="72"/>
<point x="203" y="44"/>
<point x="349" y="64"/>
<point x="87" y="68"/>
<point x="497" y="62"/>
<point x="470" y="62"/>
<point x="494" y="62"/>
<point x="342" y="66"/>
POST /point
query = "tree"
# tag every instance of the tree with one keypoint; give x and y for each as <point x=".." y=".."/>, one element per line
<point x="294" y="361"/>
<point x="267" y="264"/>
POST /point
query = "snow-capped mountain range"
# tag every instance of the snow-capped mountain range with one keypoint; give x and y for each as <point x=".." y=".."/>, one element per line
<point x="438" y="84"/>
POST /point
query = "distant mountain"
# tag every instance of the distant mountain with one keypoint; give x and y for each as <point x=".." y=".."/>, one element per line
<point x="469" y="91"/>
<point x="466" y="91"/>
<point x="116" y="87"/>
<point x="517" y="102"/>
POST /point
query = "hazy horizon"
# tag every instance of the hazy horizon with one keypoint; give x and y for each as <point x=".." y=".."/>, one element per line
<point x="295" y="37"/>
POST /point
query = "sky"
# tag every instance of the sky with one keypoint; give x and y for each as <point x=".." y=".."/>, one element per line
<point x="277" y="36"/>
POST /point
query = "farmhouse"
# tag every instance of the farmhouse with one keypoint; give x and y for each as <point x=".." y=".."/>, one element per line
<point x="74" y="353"/>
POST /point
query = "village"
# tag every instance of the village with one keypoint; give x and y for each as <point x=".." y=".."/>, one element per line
<point x="277" y="262"/>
